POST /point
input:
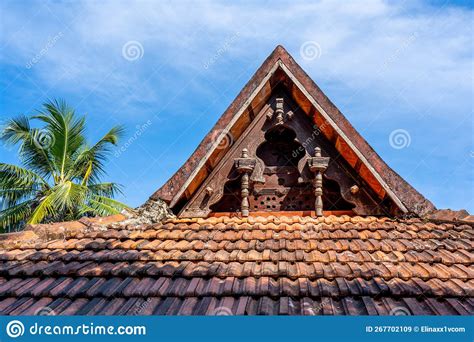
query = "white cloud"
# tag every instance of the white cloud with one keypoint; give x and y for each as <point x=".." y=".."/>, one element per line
<point x="381" y="45"/>
<point x="411" y="56"/>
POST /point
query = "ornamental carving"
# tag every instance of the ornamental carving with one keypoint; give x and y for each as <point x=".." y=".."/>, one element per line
<point x="282" y="162"/>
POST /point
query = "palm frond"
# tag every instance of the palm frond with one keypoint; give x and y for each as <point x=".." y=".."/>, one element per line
<point x="15" y="215"/>
<point x="18" y="184"/>
<point x="16" y="130"/>
<point x="12" y="175"/>
<point x="105" y="189"/>
<point x="89" y="164"/>
<point x="12" y="197"/>
<point x="85" y="210"/>
<point x="112" y="136"/>
<point x="67" y="133"/>
<point x="66" y="195"/>
<point x="31" y="152"/>
<point x="106" y="206"/>
<point x="44" y="209"/>
<point x="34" y="156"/>
<point x="102" y="209"/>
<point x="114" y="203"/>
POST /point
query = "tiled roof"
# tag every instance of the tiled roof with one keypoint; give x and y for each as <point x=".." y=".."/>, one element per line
<point x="258" y="265"/>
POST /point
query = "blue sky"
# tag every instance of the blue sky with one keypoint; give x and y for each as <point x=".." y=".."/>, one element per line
<point x="388" y="66"/>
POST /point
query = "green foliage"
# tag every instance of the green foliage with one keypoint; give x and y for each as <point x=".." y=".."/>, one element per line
<point x="60" y="175"/>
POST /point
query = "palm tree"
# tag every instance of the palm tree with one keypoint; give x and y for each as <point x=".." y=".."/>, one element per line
<point x="60" y="177"/>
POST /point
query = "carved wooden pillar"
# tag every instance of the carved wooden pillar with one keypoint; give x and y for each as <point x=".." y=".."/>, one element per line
<point x="245" y="166"/>
<point x="279" y="114"/>
<point x="318" y="165"/>
<point x="279" y="111"/>
<point x="244" y="207"/>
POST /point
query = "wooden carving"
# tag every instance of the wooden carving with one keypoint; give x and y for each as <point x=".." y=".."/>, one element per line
<point x="281" y="115"/>
<point x="244" y="165"/>
<point x="318" y="165"/>
<point x="277" y="171"/>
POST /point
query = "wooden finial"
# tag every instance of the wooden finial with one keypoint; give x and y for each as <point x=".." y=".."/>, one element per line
<point x="244" y="191"/>
<point x="317" y="152"/>
<point x="318" y="165"/>
<point x="245" y="165"/>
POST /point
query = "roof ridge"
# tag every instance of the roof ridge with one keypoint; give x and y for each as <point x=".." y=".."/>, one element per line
<point x="61" y="230"/>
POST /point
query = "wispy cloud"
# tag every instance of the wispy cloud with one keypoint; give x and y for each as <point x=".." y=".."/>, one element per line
<point x="413" y="57"/>
<point x="394" y="44"/>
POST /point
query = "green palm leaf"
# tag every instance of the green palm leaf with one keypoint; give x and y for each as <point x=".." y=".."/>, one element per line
<point x="19" y="176"/>
<point x="16" y="130"/>
<point x="105" y="206"/>
<point x="32" y="150"/>
<point x="17" y="184"/>
<point x="66" y="133"/>
<point x="60" y="177"/>
<point x="15" y="215"/>
<point x="105" y="189"/>
<point x="90" y="161"/>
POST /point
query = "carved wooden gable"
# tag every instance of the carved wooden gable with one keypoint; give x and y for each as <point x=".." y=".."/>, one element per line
<point x="283" y="162"/>
<point x="282" y="146"/>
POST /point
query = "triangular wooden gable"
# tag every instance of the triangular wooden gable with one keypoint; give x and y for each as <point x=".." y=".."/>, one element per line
<point x="282" y="106"/>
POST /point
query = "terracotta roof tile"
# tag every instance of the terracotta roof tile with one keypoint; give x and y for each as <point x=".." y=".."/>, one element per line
<point x="263" y="265"/>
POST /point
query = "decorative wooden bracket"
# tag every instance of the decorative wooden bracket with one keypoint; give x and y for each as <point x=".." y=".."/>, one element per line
<point x="245" y="166"/>
<point x="267" y="182"/>
<point x="281" y="117"/>
<point x="318" y="165"/>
